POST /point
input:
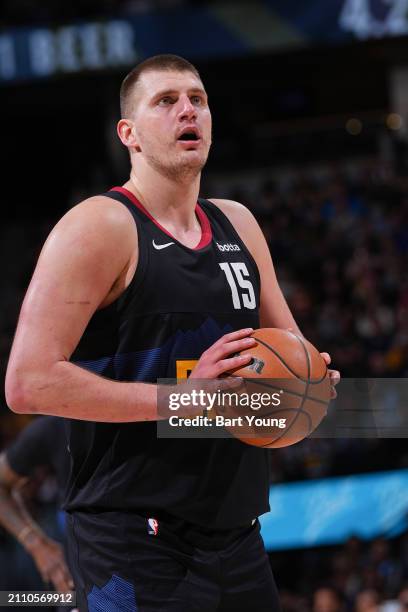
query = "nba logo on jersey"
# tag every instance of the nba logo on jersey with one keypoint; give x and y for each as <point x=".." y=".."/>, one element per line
<point x="153" y="526"/>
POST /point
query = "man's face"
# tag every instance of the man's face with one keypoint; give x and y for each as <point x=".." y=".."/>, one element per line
<point x="172" y="122"/>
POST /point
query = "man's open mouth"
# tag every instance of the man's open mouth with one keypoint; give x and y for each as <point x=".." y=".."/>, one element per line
<point x="187" y="136"/>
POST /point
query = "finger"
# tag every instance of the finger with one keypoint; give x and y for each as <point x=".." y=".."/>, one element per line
<point x="233" y="363"/>
<point x="236" y="346"/>
<point x="333" y="393"/>
<point x="326" y="357"/>
<point x="334" y="377"/>
<point x="235" y="335"/>
<point x="221" y="384"/>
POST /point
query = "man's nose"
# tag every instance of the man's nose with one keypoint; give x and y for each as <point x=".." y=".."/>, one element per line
<point x="187" y="109"/>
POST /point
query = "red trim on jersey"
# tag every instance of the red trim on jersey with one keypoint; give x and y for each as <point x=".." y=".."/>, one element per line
<point x="206" y="231"/>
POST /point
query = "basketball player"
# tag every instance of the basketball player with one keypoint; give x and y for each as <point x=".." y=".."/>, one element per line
<point x="141" y="283"/>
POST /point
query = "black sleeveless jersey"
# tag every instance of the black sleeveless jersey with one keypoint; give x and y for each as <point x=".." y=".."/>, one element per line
<point x="179" y="302"/>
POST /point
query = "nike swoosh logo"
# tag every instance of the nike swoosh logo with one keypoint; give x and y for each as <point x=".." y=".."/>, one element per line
<point x="159" y="247"/>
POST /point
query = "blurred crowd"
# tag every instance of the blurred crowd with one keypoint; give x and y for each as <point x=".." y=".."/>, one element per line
<point x="356" y="577"/>
<point x="339" y="240"/>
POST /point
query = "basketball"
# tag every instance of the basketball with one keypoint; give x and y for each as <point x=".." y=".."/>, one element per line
<point x="292" y="371"/>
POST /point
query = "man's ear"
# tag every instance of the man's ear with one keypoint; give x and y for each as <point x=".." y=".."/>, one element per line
<point x="127" y="134"/>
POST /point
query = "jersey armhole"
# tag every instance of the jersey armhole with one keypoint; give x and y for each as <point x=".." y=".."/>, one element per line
<point x="223" y="219"/>
<point x="142" y="263"/>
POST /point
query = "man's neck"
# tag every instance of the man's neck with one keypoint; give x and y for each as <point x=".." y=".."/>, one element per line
<point x="170" y="202"/>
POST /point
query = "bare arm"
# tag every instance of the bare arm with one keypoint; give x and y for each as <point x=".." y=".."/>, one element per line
<point x="15" y="518"/>
<point x="85" y="263"/>
<point x="13" y="513"/>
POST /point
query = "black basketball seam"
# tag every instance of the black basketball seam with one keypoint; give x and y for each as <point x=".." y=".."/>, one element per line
<point x="296" y="393"/>
<point x="298" y="411"/>
<point x="307" y="382"/>
<point x="310" y="382"/>
<point x="268" y="346"/>
<point x="285" y="410"/>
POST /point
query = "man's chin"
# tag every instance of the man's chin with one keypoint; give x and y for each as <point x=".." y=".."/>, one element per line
<point x="193" y="154"/>
<point x="193" y="161"/>
<point x="187" y="165"/>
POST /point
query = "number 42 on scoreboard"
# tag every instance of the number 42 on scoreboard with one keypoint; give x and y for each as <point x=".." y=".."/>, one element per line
<point x="358" y="16"/>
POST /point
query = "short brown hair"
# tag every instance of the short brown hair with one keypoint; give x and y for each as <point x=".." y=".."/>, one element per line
<point x="157" y="62"/>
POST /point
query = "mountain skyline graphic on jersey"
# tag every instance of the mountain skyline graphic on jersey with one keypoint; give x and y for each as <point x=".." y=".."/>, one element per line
<point x="150" y="364"/>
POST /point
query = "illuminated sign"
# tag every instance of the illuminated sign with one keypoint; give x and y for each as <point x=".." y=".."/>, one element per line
<point x="195" y="32"/>
<point x="330" y="510"/>
<point x="45" y="52"/>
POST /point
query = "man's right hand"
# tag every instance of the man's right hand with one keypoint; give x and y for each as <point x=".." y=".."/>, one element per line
<point x="212" y="373"/>
<point x="221" y="357"/>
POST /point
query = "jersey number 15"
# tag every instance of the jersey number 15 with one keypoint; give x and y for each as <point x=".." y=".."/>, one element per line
<point x="242" y="291"/>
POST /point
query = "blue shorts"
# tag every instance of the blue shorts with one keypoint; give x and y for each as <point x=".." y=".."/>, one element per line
<point x="124" y="562"/>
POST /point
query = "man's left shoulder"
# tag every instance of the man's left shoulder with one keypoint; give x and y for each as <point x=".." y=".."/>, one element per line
<point x="229" y="205"/>
<point x="237" y="213"/>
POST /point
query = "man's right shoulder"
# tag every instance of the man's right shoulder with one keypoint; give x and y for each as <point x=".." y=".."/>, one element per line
<point x="99" y="226"/>
<point x="102" y="209"/>
<point x="99" y="217"/>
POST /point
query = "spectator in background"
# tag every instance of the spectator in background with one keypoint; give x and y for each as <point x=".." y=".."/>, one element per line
<point x="41" y="444"/>
<point x="387" y="568"/>
<point x="367" y="601"/>
<point x="403" y="599"/>
<point x="327" y="599"/>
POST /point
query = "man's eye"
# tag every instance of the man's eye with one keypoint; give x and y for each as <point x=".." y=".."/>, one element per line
<point x="166" y="101"/>
<point x="196" y="100"/>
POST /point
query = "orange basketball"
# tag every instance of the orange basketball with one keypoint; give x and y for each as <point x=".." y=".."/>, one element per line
<point x="291" y="370"/>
